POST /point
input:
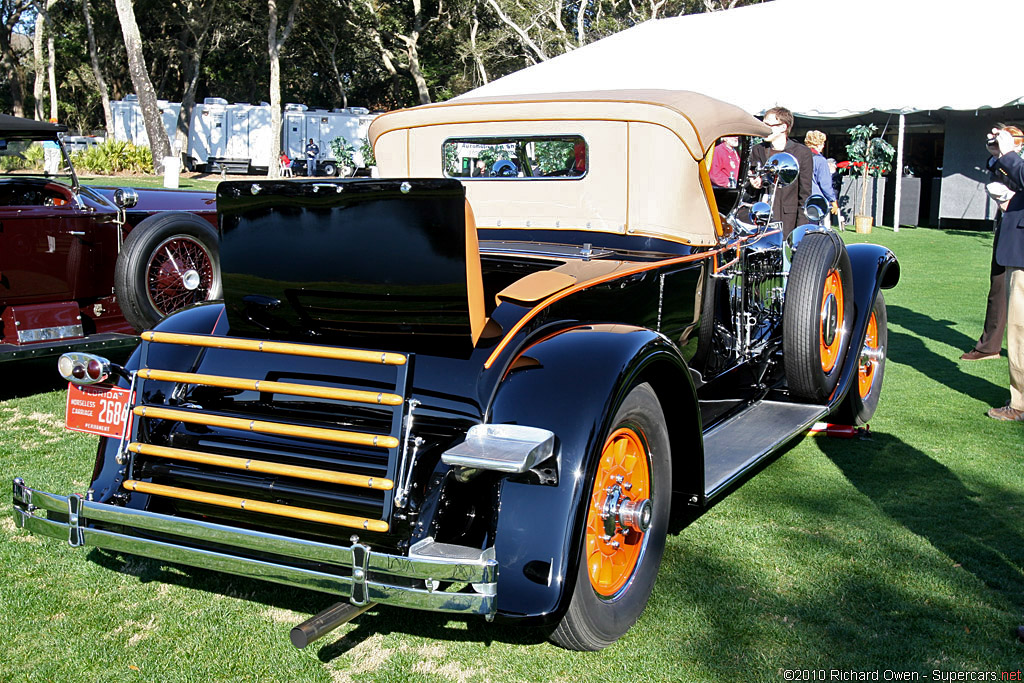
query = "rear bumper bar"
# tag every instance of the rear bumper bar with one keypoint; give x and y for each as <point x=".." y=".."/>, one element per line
<point x="364" y="576"/>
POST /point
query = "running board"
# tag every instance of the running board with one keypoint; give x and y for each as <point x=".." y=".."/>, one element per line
<point x="737" y="444"/>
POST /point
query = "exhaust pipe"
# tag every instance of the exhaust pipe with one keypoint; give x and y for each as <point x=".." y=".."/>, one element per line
<point x="331" y="618"/>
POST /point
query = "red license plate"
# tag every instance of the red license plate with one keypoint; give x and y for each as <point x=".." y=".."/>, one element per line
<point x="97" y="410"/>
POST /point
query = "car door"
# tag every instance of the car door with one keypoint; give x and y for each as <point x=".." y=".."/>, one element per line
<point x="53" y="253"/>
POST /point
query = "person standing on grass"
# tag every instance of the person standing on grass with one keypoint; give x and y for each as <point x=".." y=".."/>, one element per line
<point x="789" y="200"/>
<point x="821" y="179"/>
<point x="1001" y="190"/>
<point x="312" y="152"/>
<point x="1010" y="254"/>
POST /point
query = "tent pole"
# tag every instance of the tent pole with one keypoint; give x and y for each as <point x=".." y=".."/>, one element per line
<point x="898" y="176"/>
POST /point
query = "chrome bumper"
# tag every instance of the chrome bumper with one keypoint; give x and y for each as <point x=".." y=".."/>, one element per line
<point x="366" y="576"/>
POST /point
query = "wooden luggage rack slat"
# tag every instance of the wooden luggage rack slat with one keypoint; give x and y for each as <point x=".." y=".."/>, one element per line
<point x="393" y="401"/>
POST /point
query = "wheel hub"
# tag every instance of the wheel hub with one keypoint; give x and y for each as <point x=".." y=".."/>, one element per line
<point x="190" y="279"/>
<point x="622" y="515"/>
<point x="829" y="319"/>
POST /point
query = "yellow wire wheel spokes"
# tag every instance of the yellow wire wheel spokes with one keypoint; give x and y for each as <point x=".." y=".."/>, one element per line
<point x="619" y="513"/>
<point x="832" y="320"/>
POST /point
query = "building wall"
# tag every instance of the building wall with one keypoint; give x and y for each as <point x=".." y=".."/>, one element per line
<point x="964" y="175"/>
<point x="849" y="198"/>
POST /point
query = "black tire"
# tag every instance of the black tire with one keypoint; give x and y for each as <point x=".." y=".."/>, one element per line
<point x="594" y="620"/>
<point x="862" y="401"/>
<point x="330" y="169"/>
<point x="167" y="262"/>
<point x="818" y="316"/>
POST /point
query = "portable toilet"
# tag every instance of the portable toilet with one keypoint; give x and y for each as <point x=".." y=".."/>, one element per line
<point x="129" y="125"/>
<point x="233" y="137"/>
<point x="302" y="123"/>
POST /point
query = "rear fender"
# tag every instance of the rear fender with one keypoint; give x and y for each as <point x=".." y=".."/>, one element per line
<point x="202" y="319"/>
<point x="572" y="384"/>
<point x="874" y="267"/>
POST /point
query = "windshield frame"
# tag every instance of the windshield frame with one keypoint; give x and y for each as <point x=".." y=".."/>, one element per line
<point x="71" y="178"/>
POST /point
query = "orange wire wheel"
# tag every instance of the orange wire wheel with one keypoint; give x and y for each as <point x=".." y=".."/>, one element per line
<point x="832" y="319"/>
<point x="868" y="358"/>
<point x="619" y="514"/>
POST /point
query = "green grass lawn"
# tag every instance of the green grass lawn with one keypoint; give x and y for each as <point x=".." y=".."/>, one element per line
<point x="207" y="182"/>
<point x="901" y="551"/>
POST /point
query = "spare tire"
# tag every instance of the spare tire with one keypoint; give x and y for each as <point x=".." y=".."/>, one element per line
<point x="167" y="262"/>
<point x="818" y="316"/>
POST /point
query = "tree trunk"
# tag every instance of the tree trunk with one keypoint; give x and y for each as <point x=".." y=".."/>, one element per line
<point x="332" y="52"/>
<point x="864" y="191"/>
<point x="581" y="15"/>
<point x="193" y="67"/>
<point x="8" y="59"/>
<point x="481" y="70"/>
<point x="411" y="49"/>
<point x="37" y="65"/>
<point x="158" y="142"/>
<point x="97" y="72"/>
<point x="51" y="74"/>
<point x="274" y="43"/>
<point x="42" y="22"/>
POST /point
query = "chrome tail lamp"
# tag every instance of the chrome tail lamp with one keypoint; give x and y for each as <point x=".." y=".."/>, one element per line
<point x="87" y="368"/>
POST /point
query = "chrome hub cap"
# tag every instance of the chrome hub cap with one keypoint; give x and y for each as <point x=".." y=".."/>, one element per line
<point x="620" y="514"/>
<point x="190" y="279"/>
<point x="829" y="320"/>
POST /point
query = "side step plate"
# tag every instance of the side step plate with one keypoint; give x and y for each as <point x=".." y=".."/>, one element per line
<point x="737" y="444"/>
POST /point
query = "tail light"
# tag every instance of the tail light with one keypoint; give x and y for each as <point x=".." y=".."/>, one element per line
<point x="85" y="368"/>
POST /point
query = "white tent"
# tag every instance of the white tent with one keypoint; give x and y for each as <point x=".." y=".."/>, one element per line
<point x="820" y="58"/>
<point x="890" y="55"/>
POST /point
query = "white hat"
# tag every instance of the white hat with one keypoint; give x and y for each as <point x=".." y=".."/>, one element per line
<point x="999" y="192"/>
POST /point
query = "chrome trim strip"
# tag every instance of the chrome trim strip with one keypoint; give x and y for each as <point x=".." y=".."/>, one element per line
<point x="481" y="571"/>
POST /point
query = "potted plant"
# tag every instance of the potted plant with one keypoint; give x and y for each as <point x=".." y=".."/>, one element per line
<point x="344" y="154"/>
<point x="369" y="160"/>
<point x="868" y="155"/>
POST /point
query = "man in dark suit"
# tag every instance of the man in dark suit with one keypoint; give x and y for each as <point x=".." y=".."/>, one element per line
<point x="1010" y="254"/>
<point x="789" y="200"/>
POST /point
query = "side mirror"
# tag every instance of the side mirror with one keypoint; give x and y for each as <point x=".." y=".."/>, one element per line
<point x="761" y="213"/>
<point x="815" y="208"/>
<point x="782" y="166"/>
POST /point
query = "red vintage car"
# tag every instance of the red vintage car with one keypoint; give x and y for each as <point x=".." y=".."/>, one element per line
<point x="85" y="267"/>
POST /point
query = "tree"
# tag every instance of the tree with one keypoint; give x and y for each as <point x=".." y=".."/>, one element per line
<point x="11" y="12"/>
<point x="192" y="41"/>
<point x="44" y="28"/>
<point x="97" y="71"/>
<point x="274" y="43"/>
<point x="158" y="142"/>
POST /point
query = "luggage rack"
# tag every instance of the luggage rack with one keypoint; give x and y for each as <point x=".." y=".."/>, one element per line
<point x="137" y="447"/>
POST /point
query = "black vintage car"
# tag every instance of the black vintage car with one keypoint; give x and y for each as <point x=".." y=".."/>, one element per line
<point x="475" y="388"/>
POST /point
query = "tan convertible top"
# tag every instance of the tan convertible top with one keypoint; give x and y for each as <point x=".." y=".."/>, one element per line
<point x="698" y="120"/>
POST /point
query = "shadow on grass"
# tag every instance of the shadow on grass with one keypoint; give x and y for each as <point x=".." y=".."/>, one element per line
<point x="930" y="328"/>
<point x="381" y="619"/>
<point x="839" y="606"/>
<point x="929" y="499"/>
<point x="910" y="350"/>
